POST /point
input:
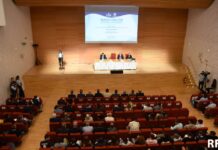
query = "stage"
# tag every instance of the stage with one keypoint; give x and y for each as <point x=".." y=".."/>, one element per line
<point x="152" y="78"/>
<point x="142" y="68"/>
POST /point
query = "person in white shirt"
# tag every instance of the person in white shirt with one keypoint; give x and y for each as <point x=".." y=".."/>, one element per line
<point x="109" y="117"/>
<point x="145" y="107"/>
<point x="151" y="139"/>
<point x="199" y="124"/>
<point x="61" y="59"/>
<point x="107" y="93"/>
<point x="87" y="128"/>
<point x="210" y="106"/>
<point x="133" y="125"/>
<point x="178" y="125"/>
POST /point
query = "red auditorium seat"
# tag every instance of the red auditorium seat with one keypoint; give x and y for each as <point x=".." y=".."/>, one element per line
<point x="107" y="147"/>
<point x="45" y="148"/>
<point x="72" y="148"/>
<point x="59" y="148"/>
<point x="5" y="148"/>
<point x="211" y="112"/>
<point x="86" y="148"/>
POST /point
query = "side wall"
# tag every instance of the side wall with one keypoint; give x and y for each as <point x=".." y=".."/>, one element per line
<point x="16" y="53"/>
<point x="161" y="35"/>
<point x="201" y="42"/>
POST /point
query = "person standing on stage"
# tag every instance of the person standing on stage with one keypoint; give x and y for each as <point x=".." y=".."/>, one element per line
<point x="61" y="59"/>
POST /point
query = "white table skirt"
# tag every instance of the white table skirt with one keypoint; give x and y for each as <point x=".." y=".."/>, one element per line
<point x="115" y="65"/>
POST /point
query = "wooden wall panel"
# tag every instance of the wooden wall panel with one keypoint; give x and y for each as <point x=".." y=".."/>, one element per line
<point x="161" y="35"/>
<point x="182" y="4"/>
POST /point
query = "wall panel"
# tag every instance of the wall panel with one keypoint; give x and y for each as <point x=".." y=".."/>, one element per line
<point x="161" y="35"/>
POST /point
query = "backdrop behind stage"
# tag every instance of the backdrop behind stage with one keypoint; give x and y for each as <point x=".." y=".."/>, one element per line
<point x="161" y="35"/>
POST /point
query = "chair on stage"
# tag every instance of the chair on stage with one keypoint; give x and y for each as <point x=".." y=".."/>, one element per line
<point x="113" y="56"/>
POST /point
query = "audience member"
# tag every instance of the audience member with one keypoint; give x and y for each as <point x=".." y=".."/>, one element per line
<point x="86" y="142"/>
<point x="132" y="93"/>
<point x="211" y="135"/>
<point x="188" y="137"/>
<point x="58" y="109"/>
<point x="118" y="107"/>
<point x="63" y="129"/>
<point x="100" y="107"/>
<point x="81" y="94"/>
<point x="129" y="106"/>
<point x="199" y="124"/>
<point x="63" y="143"/>
<point x="151" y="139"/>
<point x="109" y="117"/>
<point x="190" y="125"/>
<point x="87" y="128"/>
<point x="140" y="93"/>
<point x="107" y="93"/>
<point x="146" y="108"/>
<point x="133" y="125"/>
<point x="89" y="94"/>
<point x="75" y="128"/>
<point x="111" y="127"/>
<point x="115" y="94"/>
<point x="87" y="108"/>
<point x="160" y="115"/>
<point x="124" y="94"/>
<point x="71" y="96"/>
<point x="158" y="106"/>
<point x="125" y="142"/>
<point x="140" y="140"/>
<point x="99" y="127"/>
<point x="98" y="94"/>
<point x="88" y="118"/>
<point x="178" y="125"/>
<point x="176" y="137"/>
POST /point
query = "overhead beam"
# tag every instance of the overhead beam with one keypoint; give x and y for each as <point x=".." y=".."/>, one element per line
<point x="179" y="4"/>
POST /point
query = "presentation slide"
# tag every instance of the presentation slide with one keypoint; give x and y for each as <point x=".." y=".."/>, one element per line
<point x="111" y="24"/>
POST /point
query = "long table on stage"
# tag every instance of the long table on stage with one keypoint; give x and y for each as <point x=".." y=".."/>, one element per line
<point x="115" y="65"/>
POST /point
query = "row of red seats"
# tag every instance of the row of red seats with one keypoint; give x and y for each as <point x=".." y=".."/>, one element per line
<point x="19" y="125"/>
<point x="5" y="148"/>
<point x="201" y="105"/>
<point x="18" y="108"/>
<point x="137" y="105"/>
<point x="183" y="112"/>
<point x="12" y="101"/>
<point x="194" y="145"/>
<point x="15" y="115"/>
<point x="124" y="98"/>
<point x="10" y="138"/>
<point x="57" y="137"/>
<point x="122" y="124"/>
